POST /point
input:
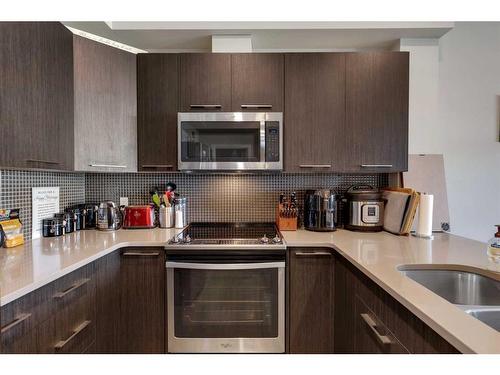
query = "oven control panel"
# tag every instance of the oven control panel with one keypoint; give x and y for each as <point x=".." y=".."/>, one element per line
<point x="272" y="141"/>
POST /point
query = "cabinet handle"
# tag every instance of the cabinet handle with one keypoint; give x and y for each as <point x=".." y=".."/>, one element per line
<point x="253" y="106"/>
<point x="384" y="340"/>
<point x="202" y="106"/>
<point x="18" y="320"/>
<point x="376" y="165"/>
<point x="61" y="344"/>
<point x="140" y="254"/>
<point x="107" y="166"/>
<point x="313" y="253"/>
<point x="315" y="166"/>
<point x="157" y="166"/>
<point x="42" y="161"/>
<point x="75" y="286"/>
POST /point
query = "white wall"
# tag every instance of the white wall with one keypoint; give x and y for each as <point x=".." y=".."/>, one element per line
<point x="454" y="109"/>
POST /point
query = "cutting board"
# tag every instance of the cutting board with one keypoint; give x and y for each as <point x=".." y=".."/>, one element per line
<point x="426" y="175"/>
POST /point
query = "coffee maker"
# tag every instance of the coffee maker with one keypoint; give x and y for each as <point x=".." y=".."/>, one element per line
<point x="320" y="210"/>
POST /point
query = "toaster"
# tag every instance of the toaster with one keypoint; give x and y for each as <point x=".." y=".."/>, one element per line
<point x="139" y="217"/>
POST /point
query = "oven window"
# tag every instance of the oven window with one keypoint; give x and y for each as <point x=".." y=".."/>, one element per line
<point x="226" y="303"/>
<point x="220" y="141"/>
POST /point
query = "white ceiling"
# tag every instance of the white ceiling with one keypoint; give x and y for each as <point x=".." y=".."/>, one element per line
<point x="266" y="36"/>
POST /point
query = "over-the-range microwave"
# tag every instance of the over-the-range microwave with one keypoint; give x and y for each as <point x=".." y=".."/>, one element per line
<point x="230" y="141"/>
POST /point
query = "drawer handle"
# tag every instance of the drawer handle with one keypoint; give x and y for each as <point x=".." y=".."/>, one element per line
<point x="75" y="286"/>
<point x="202" y="106"/>
<point x="157" y="166"/>
<point x="140" y="254"/>
<point x="315" y="166"/>
<point x="18" y="320"/>
<point x="313" y="253"/>
<point x="42" y="161"/>
<point x="256" y="106"/>
<point x="376" y="165"/>
<point x="61" y="344"/>
<point x="384" y="340"/>
<point x="107" y="166"/>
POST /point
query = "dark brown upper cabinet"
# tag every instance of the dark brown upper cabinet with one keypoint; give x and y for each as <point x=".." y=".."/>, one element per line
<point x="157" y="106"/>
<point x="105" y="121"/>
<point x="257" y="82"/>
<point x="36" y="95"/>
<point x="311" y="300"/>
<point x="376" y="132"/>
<point x="314" y="117"/>
<point x="205" y="82"/>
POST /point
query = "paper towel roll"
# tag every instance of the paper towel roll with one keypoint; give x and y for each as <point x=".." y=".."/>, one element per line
<point x="424" y="226"/>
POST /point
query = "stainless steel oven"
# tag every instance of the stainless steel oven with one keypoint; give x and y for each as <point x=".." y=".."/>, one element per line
<point x="226" y="303"/>
<point x="230" y="141"/>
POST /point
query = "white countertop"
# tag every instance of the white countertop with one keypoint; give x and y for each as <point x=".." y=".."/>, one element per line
<point x="39" y="262"/>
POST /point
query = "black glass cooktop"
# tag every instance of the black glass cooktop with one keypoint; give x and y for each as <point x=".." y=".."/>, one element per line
<point x="229" y="233"/>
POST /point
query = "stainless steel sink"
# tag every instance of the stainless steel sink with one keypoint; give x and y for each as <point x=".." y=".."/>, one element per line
<point x="458" y="287"/>
<point x="489" y="316"/>
<point x="478" y="295"/>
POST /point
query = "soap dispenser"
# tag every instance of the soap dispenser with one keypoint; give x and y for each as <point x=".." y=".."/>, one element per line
<point x="494" y="247"/>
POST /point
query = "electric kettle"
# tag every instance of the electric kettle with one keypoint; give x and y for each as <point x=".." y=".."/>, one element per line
<point x="109" y="217"/>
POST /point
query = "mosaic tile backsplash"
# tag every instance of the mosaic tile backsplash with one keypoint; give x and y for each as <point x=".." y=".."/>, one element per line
<point x="221" y="197"/>
<point x="211" y="197"/>
<point x="15" y="190"/>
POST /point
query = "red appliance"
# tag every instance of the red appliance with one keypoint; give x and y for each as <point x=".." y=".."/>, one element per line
<point x="139" y="217"/>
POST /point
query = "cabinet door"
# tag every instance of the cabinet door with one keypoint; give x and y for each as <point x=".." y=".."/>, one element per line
<point x="311" y="301"/>
<point x="36" y="95"/>
<point x="105" y="107"/>
<point x="314" y="116"/>
<point x="257" y="82"/>
<point x="142" y="305"/>
<point x="131" y="302"/>
<point x="157" y="106"/>
<point x="377" y="111"/>
<point x="205" y="82"/>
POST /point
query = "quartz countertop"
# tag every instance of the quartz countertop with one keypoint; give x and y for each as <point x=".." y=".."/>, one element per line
<point x="41" y="261"/>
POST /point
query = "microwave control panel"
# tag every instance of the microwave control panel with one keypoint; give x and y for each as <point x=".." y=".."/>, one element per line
<point x="272" y="141"/>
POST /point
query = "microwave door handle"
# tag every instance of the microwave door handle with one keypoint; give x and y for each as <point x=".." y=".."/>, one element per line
<point x="223" y="266"/>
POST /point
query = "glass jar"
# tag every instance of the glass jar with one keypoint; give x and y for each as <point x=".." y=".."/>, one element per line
<point x="180" y="212"/>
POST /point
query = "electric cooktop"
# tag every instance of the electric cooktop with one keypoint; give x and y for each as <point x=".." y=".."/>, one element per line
<point x="232" y="234"/>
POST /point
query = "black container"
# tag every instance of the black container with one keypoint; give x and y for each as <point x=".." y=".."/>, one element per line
<point x="69" y="221"/>
<point x="53" y="227"/>
<point x="320" y="210"/>
<point x="78" y="216"/>
<point x="88" y="215"/>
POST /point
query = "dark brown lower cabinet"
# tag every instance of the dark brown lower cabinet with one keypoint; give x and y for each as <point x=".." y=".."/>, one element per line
<point x="369" y="320"/>
<point x="311" y="300"/>
<point x="57" y="318"/>
<point x="131" y="301"/>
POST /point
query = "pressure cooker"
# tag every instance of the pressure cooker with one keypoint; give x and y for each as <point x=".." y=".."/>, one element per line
<point x="365" y="209"/>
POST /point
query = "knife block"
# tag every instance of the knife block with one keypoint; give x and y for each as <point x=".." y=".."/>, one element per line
<point x="285" y="223"/>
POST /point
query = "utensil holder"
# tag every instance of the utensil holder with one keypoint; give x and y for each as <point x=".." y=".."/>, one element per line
<point x="167" y="217"/>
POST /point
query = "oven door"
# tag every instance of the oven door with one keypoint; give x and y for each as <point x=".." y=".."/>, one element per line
<point x="230" y="141"/>
<point x="226" y="307"/>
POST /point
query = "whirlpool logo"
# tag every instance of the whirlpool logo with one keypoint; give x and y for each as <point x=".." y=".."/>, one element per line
<point x="226" y="345"/>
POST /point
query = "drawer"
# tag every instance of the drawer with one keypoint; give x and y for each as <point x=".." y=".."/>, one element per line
<point x="371" y="335"/>
<point x="21" y="318"/>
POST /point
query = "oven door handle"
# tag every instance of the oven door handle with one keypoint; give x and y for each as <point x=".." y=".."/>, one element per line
<point x="225" y="266"/>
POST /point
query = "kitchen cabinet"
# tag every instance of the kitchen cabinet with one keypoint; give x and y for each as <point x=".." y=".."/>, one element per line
<point x="376" y="129"/>
<point x="36" y="95"/>
<point x="257" y="82"/>
<point x="205" y="82"/>
<point x="131" y="301"/>
<point x="369" y="320"/>
<point x="311" y="300"/>
<point x="314" y="117"/>
<point x="157" y="106"/>
<point x="57" y="318"/>
<point x="105" y="120"/>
